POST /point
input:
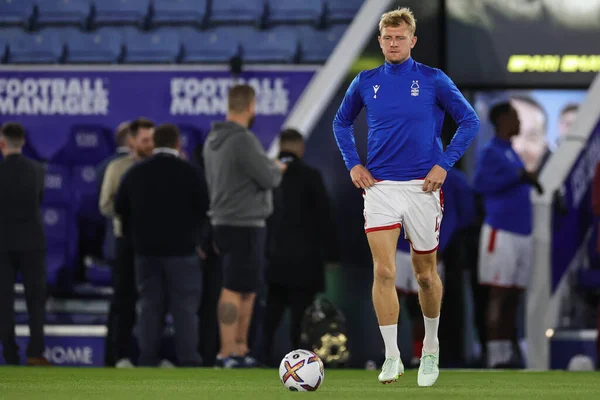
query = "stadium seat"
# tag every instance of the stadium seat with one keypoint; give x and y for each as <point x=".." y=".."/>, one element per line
<point x="277" y="45"/>
<point x="57" y="188"/>
<point x="189" y="139"/>
<point x="237" y="11"/>
<point x="113" y="12"/>
<point x="85" y="193"/>
<point x="342" y="10"/>
<point x="61" y="238"/>
<point x="212" y="46"/>
<point x="56" y="265"/>
<point x="63" y="12"/>
<point x="293" y="11"/>
<point x="179" y="12"/>
<point x="104" y="46"/>
<point x="316" y="45"/>
<point x="16" y="12"/>
<point x="159" y="46"/>
<point x="55" y="224"/>
<point x="6" y="35"/>
<point x="34" y="48"/>
<point x="121" y="33"/>
<point x="84" y="145"/>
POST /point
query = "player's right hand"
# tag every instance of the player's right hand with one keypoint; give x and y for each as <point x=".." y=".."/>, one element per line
<point x="361" y="177"/>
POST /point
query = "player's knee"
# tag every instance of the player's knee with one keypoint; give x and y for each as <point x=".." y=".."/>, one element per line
<point x="384" y="273"/>
<point x="425" y="280"/>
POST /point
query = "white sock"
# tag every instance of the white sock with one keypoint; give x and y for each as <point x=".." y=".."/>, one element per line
<point x="498" y="352"/>
<point x="390" y="339"/>
<point x="431" y="344"/>
<point x="507" y="351"/>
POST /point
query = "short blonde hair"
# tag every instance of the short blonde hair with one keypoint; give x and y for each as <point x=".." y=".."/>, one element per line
<point x="395" y="18"/>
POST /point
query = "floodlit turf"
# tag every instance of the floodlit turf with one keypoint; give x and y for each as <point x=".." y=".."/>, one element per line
<point x="180" y="384"/>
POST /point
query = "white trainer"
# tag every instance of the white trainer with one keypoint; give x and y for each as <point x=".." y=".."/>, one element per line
<point x="429" y="368"/>
<point x="392" y="369"/>
<point x="124" y="363"/>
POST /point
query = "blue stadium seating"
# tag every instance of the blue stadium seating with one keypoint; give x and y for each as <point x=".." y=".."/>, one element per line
<point x="104" y="46"/>
<point x="57" y="188"/>
<point x="16" y="12"/>
<point x="63" y="12"/>
<point x="85" y="193"/>
<point x="237" y="11"/>
<point x="55" y="224"/>
<point x="179" y="12"/>
<point x="113" y="12"/>
<point x="85" y="145"/>
<point x="277" y="45"/>
<point x="294" y="11"/>
<point x="342" y="10"/>
<point x="121" y="33"/>
<point x="212" y="46"/>
<point x="159" y="46"/>
<point x="58" y="235"/>
<point x="38" y="47"/>
<point x="190" y="137"/>
<point x="316" y="46"/>
<point x="6" y="36"/>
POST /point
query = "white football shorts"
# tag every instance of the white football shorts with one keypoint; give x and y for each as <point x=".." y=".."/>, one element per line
<point x="505" y="258"/>
<point x="406" y="281"/>
<point x="392" y="204"/>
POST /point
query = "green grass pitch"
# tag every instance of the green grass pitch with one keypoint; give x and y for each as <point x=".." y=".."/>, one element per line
<point x="179" y="384"/>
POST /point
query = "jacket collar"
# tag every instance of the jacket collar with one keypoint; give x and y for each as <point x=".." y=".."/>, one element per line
<point x="395" y="69"/>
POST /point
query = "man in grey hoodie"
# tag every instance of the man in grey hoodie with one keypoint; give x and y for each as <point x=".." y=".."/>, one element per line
<point x="240" y="180"/>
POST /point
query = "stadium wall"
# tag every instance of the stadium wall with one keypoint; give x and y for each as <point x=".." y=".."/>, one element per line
<point x="560" y="236"/>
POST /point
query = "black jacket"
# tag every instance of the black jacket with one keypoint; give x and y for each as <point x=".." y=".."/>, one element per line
<point x="301" y="231"/>
<point x="163" y="203"/>
<point x="21" y="193"/>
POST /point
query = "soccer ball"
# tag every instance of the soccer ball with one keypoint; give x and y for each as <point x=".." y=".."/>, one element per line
<point x="301" y="371"/>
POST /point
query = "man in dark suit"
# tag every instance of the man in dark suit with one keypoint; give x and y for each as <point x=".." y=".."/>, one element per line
<point x="22" y="244"/>
<point x="163" y="203"/>
<point x="300" y="239"/>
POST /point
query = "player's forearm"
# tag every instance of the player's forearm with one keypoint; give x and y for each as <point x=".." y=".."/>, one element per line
<point x="344" y="137"/>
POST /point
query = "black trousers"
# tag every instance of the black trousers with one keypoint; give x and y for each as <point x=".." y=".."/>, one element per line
<point x="280" y="297"/>
<point x="32" y="266"/>
<point x="121" y="316"/>
<point x="209" y="325"/>
<point x="174" y="283"/>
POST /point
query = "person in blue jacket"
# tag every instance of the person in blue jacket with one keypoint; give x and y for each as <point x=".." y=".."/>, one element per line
<point x="506" y="244"/>
<point x="405" y="103"/>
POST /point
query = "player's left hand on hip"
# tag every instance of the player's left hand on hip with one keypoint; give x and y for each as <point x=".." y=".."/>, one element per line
<point x="434" y="179"/>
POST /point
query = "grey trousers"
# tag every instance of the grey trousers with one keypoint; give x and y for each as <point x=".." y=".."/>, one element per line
<point x="176" y="282"/>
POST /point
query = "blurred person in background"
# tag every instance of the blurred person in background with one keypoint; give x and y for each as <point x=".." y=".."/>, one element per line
<point x="124" y="148"/>
<point x="240" y="180"/>
<point x="301" y="238"/>
<point x="163" y="202"/>
<point x="211" y="283"/>
<point x="566" y="120"/>
<point x="22" y="245"/>
<point x="505" y="252"/>
<point x="121" y="317"/>
<point x="531" y="143"/>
